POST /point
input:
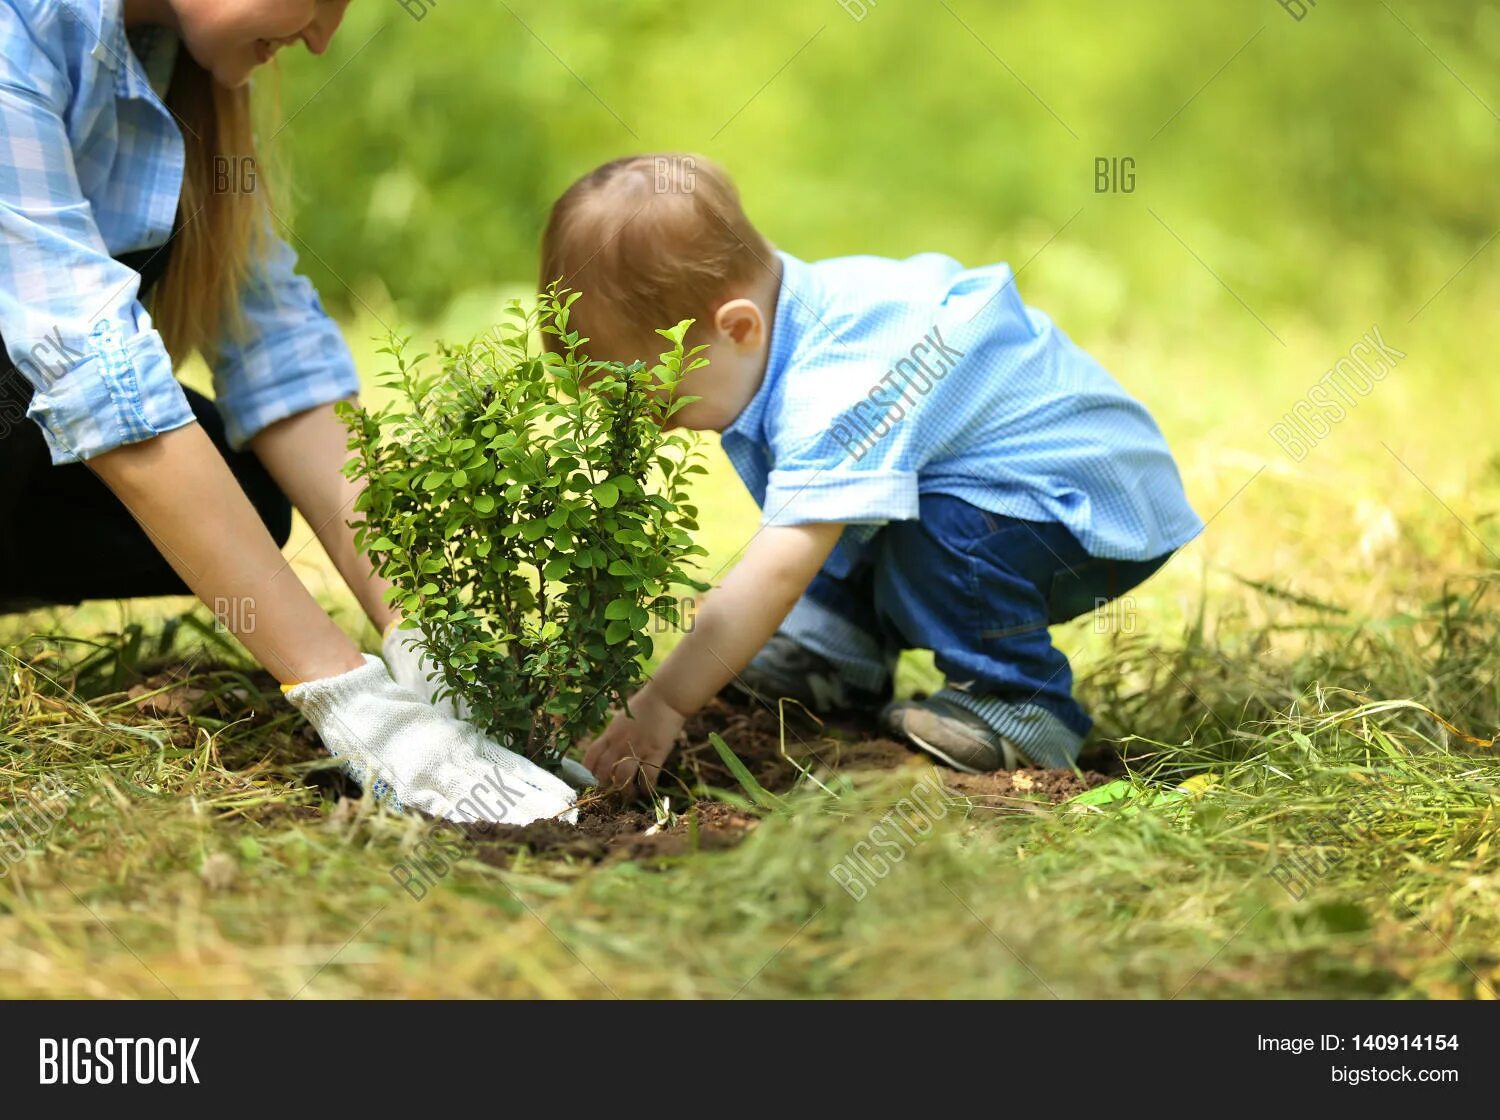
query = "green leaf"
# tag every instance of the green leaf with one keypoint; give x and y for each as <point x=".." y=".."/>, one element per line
<point x="480" y="501"/>
<point x="758" y="793"/>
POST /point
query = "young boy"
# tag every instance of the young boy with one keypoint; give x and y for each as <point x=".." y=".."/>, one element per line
<point x="938" y="465"/>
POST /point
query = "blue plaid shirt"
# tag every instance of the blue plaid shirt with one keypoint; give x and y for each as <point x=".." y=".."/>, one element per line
<point x="91" y="165"/>
<point x="890" y="379"/>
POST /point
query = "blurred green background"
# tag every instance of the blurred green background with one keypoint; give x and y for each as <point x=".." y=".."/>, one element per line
<point x="1309" y="163"/>
<point x="1297" y="182"/>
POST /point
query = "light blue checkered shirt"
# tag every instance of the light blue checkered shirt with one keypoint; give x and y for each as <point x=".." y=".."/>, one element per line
<point x="91" y="165"/>
<point x="891" y="379"/>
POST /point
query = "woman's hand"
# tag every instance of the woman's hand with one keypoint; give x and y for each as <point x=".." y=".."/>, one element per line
<point x="636" y="744"/>
<point x="405" y="656"/>
<point x="405" y="751"/>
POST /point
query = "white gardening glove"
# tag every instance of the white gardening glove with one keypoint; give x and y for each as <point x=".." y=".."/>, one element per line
<point x="403" y="750"/>
<point x="413" y="669"/>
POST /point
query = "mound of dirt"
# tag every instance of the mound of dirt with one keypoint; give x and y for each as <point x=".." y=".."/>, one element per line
<point x="614" y="826"/>
<point x="774" y="749"/>
<point x="609" y="828"/>
<point x="1048" y="787"/>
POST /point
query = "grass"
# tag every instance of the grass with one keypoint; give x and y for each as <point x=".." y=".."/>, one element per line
<point x="1320" y="664"/>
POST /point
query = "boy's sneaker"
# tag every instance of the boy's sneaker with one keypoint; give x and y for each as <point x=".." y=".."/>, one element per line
<point x="785" y="670"/>
<point x="953" y="735"/>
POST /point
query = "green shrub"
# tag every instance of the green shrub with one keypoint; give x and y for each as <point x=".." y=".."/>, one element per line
<point x="530" y="510"/>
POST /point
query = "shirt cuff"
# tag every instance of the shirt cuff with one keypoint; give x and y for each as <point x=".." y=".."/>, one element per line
<point x="857" y="497"/>
<point x="122" y="392"/>
<point x="272" y="381"/>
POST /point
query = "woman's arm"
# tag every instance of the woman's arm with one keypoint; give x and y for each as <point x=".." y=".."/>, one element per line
<point x="180" y="490"/>
<point x="277" y="379"/>
<point x="305" y="455"/>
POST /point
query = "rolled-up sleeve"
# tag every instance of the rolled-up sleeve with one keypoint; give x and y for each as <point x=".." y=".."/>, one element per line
<point x="70" y="314"/>
<point x="287" y="358"/>
<point x="836" y="493"/>
<point x="828" y="468"/>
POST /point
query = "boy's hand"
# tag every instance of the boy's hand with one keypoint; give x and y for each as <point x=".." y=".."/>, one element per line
<point x="635" y="746"/>
<point x="737" y="619"/>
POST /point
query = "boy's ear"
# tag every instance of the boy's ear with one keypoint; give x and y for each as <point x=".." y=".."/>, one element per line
<point x="742" y="322"/>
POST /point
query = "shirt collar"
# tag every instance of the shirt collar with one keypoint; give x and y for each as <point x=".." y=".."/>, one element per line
<point x="112" y="50"/>
<point x="156" y="48"/>
<point x="793" y="312"/>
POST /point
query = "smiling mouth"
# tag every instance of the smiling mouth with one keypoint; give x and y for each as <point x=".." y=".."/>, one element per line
<point x="266" y="49"/>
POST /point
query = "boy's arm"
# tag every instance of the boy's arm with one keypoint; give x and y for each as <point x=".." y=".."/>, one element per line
<point x="736" y="620"/>
<point x="743" y="613"/>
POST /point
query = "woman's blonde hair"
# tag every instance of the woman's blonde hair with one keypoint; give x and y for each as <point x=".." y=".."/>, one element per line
<point x="222" y="218"/>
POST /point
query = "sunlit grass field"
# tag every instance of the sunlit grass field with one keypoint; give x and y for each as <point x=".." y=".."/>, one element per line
<point x="1304" y="700"/>
<point x="1319" y="667"/>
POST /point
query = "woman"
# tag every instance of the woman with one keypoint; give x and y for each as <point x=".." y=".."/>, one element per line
<point x="127" y="183"/>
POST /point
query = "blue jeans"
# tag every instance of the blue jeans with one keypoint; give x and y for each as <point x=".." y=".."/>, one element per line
<point x="980" y="590"/>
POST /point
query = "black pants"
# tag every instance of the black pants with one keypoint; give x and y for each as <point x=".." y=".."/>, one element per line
<point x="65" y="538"/>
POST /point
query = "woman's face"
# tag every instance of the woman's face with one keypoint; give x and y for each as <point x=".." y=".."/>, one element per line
<point x="230" y="38"/>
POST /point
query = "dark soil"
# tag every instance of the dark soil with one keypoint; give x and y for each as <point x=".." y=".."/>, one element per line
<point x="617" y="825"/>
<point x="1047" y="787"/>
<point x="608" y="828"/>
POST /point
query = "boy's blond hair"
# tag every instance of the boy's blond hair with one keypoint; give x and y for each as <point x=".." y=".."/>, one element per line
<point x="650" y="240"/>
